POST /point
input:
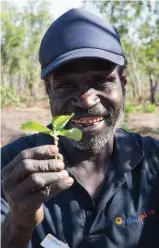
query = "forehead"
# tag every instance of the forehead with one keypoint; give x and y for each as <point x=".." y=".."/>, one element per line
<point x="84" y="66"/>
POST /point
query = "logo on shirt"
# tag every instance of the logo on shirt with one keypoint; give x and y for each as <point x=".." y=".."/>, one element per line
<point x="139" y="219"/>
<point x="118" y="220"/>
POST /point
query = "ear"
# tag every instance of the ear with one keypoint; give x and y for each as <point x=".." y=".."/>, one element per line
<point x="124" y="79"/>
<point x="125" y="82"/>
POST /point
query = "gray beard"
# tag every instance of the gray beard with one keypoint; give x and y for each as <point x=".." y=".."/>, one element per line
<point x="93" y="143"/>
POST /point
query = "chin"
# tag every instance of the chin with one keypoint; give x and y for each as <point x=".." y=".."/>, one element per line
<point x="94" y="141"/>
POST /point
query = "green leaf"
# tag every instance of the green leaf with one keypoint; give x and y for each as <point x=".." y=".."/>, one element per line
<point x="61" y="121"/>
<point x="74" y="133"/>
<point x="35" y="126"/>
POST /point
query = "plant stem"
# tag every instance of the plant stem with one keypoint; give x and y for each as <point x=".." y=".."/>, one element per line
<point x="56" y="141"/>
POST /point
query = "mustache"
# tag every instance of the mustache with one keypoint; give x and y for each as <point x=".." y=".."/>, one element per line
<point x="97" y="110"/>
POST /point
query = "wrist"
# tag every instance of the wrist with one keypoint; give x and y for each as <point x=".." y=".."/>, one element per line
<point x="20" y="223"/>
<point x="14" y="234"/>
<point x="25" y="218"/>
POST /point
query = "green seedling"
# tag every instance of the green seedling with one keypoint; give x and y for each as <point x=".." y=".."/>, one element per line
<point x="58" y="124"/>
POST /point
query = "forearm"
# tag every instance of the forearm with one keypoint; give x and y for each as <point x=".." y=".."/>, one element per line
<point x="13" y="235"/>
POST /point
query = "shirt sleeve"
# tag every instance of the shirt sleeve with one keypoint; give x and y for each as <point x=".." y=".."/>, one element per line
<point x="8" y="153"/>
<point x="4" y="209"/>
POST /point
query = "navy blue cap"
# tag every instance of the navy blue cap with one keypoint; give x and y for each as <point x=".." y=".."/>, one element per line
<point x="79" y="34"/>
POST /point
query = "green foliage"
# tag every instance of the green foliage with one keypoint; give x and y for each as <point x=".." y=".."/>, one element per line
<point x="61" y="121"/>
<point x="57" y="124"/>
<point x="149" y="108"/>
<point x="9" y="97"/>
<point x="35" y="126"/>
<point x="22" y="30"/>
<point x="129" y="108"/>
<point x="139" y="108"/>
<point x="143" y="108"/>
<point x="137" y="23"/>
<point x="73" y="133"/>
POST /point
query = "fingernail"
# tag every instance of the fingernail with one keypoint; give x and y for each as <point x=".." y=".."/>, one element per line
<point x="53" y="149"/>
<point x="60" y="165"/>
<point x="70" y="180"/>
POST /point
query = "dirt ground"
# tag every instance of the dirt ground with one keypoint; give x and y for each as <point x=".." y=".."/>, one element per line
<point x="11" y="119"/>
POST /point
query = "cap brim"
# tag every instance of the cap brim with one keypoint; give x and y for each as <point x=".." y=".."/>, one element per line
<point x="82" y="53"/>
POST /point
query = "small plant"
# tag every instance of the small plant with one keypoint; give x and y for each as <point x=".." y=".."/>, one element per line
<point x="58" y="124"/>
<point x="129" y="108"/>
<point x="149" y="108"/>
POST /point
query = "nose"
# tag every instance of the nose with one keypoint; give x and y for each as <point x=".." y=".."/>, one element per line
<point x="86" y="100"/>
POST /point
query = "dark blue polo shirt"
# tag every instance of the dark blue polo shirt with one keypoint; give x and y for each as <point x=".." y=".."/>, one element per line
<point x="126" y="214"/>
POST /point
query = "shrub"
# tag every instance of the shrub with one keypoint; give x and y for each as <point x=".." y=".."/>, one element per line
<point x="129" y="108"/>
<point x="9" y="97"/>
<point x="149" y="108"/>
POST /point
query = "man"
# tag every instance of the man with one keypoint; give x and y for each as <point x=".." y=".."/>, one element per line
<point x="101" y="191"/>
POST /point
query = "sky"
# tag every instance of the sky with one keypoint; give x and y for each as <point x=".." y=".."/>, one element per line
<point x="57" y="8"/>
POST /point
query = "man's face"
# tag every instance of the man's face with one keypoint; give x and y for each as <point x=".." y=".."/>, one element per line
<point x="93" y="91"/>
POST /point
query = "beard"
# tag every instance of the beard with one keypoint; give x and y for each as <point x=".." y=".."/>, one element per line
<point x="94" y="142"/>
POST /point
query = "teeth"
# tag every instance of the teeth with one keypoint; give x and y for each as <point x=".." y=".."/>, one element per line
<point x="87" y="120"/>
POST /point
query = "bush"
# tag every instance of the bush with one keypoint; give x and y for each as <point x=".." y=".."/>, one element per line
<point x="9" y="97"/>
<point x="139" y="108"/>
<point x="149" y="108"/>
<point x="129" y="108"/>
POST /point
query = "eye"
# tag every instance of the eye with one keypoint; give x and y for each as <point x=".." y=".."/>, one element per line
<point x="100" y="81"/>
<point x="106" y="80"/>
<point x="64" y="86"/>
<point x="104" y="83"/>
<point x="67" y="85"/>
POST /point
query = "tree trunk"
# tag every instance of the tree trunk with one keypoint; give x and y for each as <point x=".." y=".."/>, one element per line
<point x="153" y="88"/>
<point x="137" y="80"/>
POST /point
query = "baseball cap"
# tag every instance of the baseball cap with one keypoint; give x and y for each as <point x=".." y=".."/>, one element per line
<point x="79" y="34"/>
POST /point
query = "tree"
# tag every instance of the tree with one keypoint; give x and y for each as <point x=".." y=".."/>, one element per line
<point x="13" y="37"/>
<point x="22" y="30"/>
<point x="138" y="25"/>
<point x="37" y="19"/>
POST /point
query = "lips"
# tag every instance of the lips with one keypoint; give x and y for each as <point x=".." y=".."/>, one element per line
<point x="87" y="121"/>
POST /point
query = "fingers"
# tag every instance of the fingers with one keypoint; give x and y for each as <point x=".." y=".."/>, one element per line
<point x="30" y="166"/>
<point x="60" y="156"/>
<point x="47" y="192"/>
<point x="37" y="181"/>
<point x="34" y="176"/>
<point x="40" y="187"/>
<point x="38" y="153"/>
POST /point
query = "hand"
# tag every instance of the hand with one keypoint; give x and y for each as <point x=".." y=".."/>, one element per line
<point x="32" y="177"/>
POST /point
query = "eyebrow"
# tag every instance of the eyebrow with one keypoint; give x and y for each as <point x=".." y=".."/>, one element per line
<point x="59" y="79"/>
<point x="112" y="75"/>
<point x="109" y="76"/>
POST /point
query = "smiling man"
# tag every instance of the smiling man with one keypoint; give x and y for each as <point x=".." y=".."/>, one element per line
<point x="101" y="191"/>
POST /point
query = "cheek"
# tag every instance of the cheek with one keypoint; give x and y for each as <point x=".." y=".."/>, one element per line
<point x="58" y="104"/>
<point x="116" y="96"/>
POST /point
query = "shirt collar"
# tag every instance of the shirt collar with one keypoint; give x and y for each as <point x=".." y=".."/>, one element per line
<point x="127" y="151"/>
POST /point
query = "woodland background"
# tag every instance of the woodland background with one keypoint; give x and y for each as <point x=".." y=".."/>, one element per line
<point x="22" y="92"/>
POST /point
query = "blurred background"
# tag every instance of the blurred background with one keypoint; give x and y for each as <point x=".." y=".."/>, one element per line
<point x="23" y="24"/>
